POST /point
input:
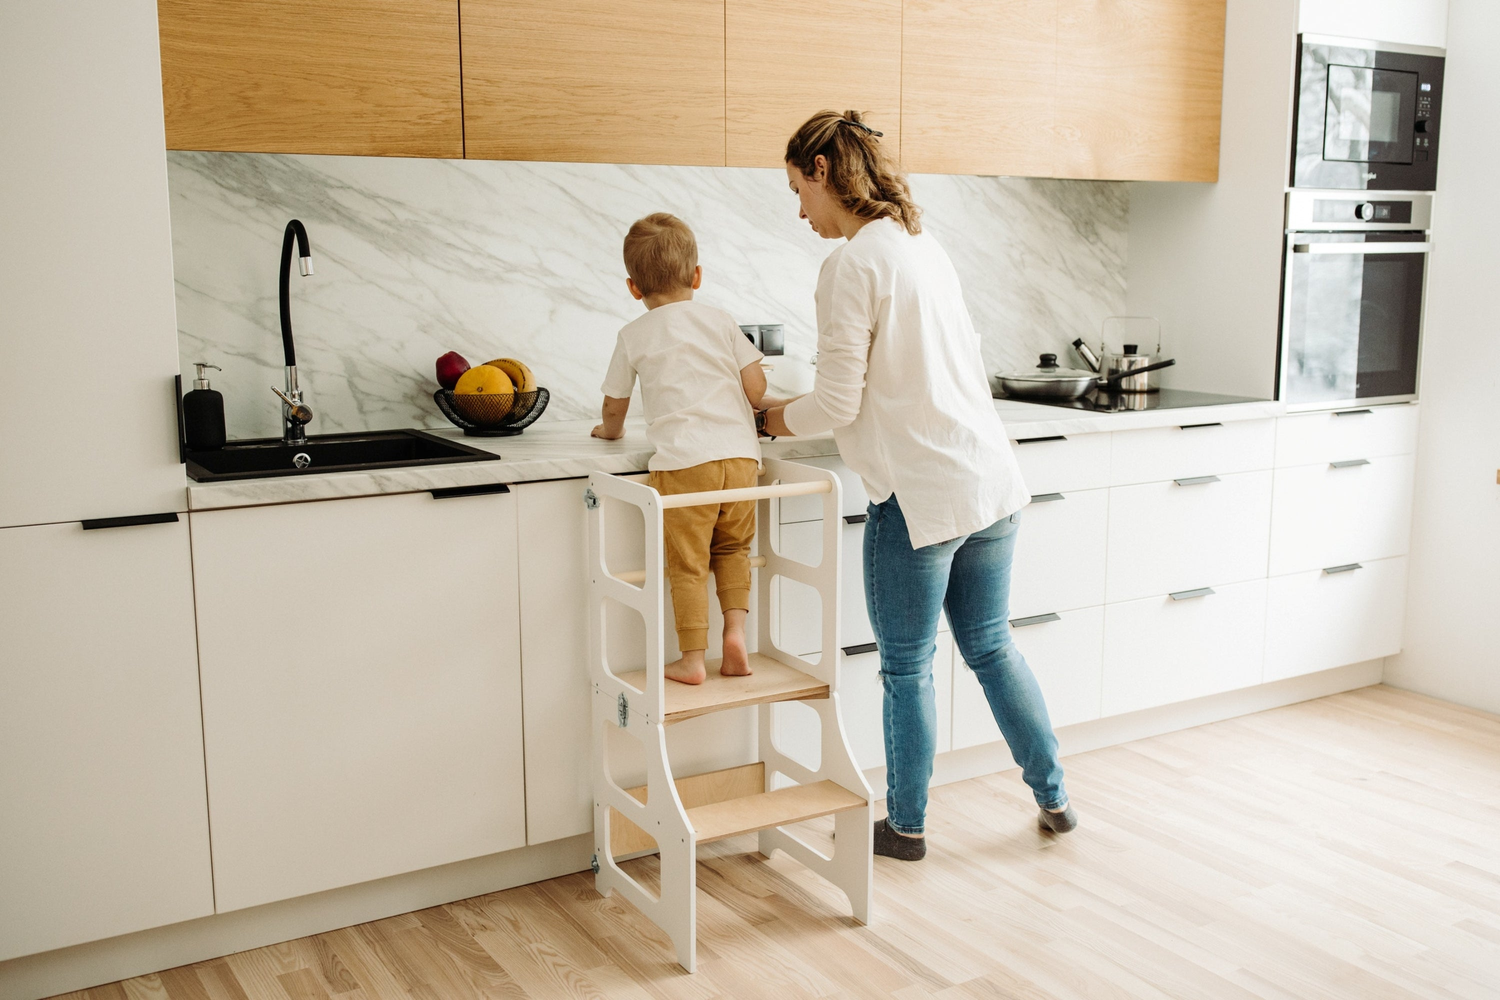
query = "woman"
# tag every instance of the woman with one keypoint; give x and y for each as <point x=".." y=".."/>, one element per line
<point x="901" y="384"/>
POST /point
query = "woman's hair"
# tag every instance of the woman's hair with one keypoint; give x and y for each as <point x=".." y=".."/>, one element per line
<point x="660" y="254"/>
<point x="860" y="174"/>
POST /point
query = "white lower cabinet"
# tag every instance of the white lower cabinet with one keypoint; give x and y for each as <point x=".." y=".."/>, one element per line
<point x="1318" y="620"/>
<point x="862" y="701"/>
<point x="1340" y="512"/>
<point x="1056" y="463"/>
<point x="361" y="689"/>
<point x="103" y="817"/>
<point x="1159" y="650"/>
<point x="1059" y="560"/>
<point x="1064" y="654"/>
<point x="1186" y="533"/>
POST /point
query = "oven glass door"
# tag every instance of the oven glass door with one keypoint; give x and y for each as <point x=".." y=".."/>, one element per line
<point x="1371" y="115"/>
<point x="1353" y="315"/>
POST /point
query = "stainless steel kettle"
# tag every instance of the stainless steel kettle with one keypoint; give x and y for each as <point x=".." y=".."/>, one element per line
<point x="1129" y="355"/>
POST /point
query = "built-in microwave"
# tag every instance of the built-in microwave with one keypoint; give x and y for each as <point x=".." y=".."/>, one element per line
<point x="1367" y="115"/>
<point x="1352" y="297"/>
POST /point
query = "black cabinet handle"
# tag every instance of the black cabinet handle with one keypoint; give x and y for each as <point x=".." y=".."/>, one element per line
<point x="856" y="518"/>
<point x="1188" y="427"/>
<point x="1196" y="480"/>
<point x="95" y="523"/>
<point x="1039" y="440"/>
<point x="483" y="489"/>
<point x="1046" y="497"/>
<point x="1188" y="595"/>
<point x="864" y="647"/>
<point x="1035" y="620"/>
<point x="1346" y="568"/>
<point x="1349" y="463"/>
<point x="1350" y="413"/>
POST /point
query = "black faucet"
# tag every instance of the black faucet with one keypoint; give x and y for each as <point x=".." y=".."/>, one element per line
<point x="295" y="414"/>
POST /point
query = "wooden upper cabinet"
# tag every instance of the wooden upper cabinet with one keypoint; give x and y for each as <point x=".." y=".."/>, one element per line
<point x="787" y="59"/>
<point x="1139" y="86"/>
<point x="977" y="86"/>
<point x="611" y="81"/>
<point x="363" y="77"/>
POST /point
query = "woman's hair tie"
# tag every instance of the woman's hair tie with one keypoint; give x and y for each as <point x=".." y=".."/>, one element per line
<point x="861" y="125"/>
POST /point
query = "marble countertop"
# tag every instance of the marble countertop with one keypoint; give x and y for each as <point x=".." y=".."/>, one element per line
<point x="563" y="450"/>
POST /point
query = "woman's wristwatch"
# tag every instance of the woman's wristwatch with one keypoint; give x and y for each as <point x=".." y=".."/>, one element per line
<point x="760" y="424"/>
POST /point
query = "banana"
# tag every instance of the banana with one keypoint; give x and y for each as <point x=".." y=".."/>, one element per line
<point x="518" y="373"/>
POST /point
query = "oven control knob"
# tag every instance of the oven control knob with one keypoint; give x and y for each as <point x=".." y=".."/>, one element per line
<point x="1365" y="211"/>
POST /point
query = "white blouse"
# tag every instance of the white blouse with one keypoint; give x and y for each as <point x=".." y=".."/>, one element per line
<point x="901" y="384"/>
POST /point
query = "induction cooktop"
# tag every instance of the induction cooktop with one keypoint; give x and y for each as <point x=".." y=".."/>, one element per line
<point x="1120" y="402"/>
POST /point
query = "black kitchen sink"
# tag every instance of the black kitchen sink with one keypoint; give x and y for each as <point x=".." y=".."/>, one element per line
<point x="322" y="453"/>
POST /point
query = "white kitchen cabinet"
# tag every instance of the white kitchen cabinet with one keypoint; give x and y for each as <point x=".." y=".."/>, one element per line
<point x="361" y="681"/>
<point x="1159" y="650"/>
<point x="1056" y="463"/>
<point x="1337" y="435"/>
<point x="1182" y="534"/>
<point x="103" y="817"/>
<point x="1335" y="512"/>
<point x="1065" y="655"/>
<point x="862" y="701"/>
<point x="1191" y="450"/>
<point x="1318" y="620"/>
<point x="853" y="500"/>
<point x="1060" y="548"/>
<point x="553" y="529"/>
<point x="89" y="339"/>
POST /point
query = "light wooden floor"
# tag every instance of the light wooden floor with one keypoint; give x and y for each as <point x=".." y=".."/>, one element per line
<point x="1347" y="847"/>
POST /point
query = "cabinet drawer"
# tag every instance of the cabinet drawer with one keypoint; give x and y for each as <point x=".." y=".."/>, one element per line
<point x="861" y="700"/>
<point x="1191" y="450"/>
<point x="852" y="496"/>
<point x="1062" y="464"/>
<point x="1059" y="561"/>
<point x="1158" y="651"/>
<point x="1318" y="620"/>
<point x="1326" y="516"/>
<point x="1368" y="432"/>
<point x="1166" y="537"/>
<point x="1066" y="657"/>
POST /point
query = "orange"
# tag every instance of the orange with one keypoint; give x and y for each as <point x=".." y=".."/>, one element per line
<point x="483" y="380"/>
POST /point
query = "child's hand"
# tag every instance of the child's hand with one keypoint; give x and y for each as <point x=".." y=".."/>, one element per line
<point x="602" y="432"/>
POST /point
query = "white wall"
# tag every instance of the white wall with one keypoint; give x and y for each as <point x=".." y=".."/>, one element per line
<point x="1205" y="259"/>
<point x="1412" y="22"/>
<point x="1453" y="599"/>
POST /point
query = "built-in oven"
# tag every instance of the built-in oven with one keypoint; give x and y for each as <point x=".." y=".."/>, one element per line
<point x="1352" y="297"/>
<point x="1366" y="116"/>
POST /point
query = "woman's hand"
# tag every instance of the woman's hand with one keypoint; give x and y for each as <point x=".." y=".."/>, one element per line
<point x="776" y="422"/>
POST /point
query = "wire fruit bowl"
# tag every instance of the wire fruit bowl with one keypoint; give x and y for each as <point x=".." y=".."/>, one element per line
<point x="497" y="415"/>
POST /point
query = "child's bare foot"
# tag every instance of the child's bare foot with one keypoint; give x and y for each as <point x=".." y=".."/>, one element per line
<point x="688" y="670"/>
<point x="736" y="659"/>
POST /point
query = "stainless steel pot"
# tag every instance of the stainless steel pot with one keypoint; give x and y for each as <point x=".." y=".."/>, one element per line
<point x="1048" y="381"/>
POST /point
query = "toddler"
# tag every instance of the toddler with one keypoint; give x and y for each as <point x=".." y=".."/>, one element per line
<point x="700" y="379"/>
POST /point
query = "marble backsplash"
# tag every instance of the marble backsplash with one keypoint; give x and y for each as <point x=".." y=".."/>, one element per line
<point x="415" y="257"/>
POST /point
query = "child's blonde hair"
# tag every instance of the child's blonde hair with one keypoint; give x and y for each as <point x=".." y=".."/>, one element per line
<point x="660" y="254"/>
<point x="860" y="174"/>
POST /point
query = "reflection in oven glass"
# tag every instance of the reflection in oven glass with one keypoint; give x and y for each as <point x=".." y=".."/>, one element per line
<point x="1326" y="296"/>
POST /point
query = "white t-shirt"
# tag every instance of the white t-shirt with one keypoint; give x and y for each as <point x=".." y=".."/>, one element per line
<point x="901" y="384"/>
<point x="688" y="356"/>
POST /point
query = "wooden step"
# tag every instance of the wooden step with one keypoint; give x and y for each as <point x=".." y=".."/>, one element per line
<point x="733" y="817"/>
<point x="770" y="681"/>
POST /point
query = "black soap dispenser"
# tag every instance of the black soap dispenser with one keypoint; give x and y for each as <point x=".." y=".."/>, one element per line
<point x="203" y="412"/>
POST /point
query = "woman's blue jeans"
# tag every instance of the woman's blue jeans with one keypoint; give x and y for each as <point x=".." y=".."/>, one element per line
<point x="906" y="589"/>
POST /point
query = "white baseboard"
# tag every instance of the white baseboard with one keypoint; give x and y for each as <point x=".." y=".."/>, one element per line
<point x="990" y="758"/>
<point x="85" y="965"/>
<point x="82" y="966"/>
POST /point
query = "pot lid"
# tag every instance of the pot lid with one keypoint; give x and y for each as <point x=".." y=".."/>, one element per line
<point x="1048" y="371"/>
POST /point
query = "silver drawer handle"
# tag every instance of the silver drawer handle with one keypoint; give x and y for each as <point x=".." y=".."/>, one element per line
<point x="1349" y="463"/>
<point x="1196" y="480"/>
<point x="1188" y="595"/>
<point x="1352" y="413"/>
<point x="1346" y="568"/>
<point x="1035" y="620"/>
<point x="1046" y="497"/>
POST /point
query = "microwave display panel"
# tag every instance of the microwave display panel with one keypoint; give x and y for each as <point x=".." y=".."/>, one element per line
<point x="1370" y="115"/>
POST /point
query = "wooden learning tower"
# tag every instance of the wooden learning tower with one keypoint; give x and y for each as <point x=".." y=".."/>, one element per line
<point x="769" y="795"/>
